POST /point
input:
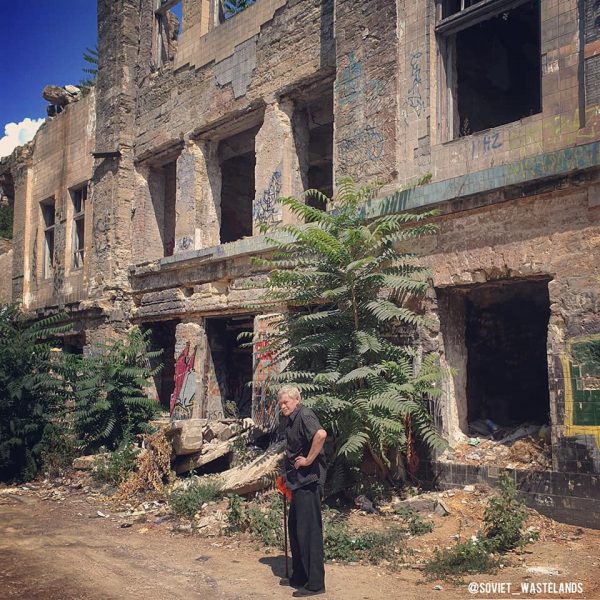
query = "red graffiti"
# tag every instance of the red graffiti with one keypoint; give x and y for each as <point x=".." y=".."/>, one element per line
<point x="184" y="365"/>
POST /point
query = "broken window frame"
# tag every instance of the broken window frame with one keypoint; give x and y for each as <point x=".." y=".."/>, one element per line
<point x="161" y="30"/>
<point x="78" y="200"/>
<point x="448" y="25"/>
<point x="48" y="211"/>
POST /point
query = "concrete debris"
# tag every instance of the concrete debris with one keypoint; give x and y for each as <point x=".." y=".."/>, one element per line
<point x="187" y="435"/>
<point x="219" y="431"/>
<point x="257" y="475"/>
<point x="524" y="447"/>
<point x="61" y="96"/>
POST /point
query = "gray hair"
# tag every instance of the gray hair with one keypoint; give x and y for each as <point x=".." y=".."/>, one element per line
<point x="291" y="390"/>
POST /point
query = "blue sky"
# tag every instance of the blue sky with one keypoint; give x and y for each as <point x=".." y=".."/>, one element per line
<point x="41" y="43"/>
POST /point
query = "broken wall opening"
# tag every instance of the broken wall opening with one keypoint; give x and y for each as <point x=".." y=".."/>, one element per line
<point x="320" y="147"/>
<point x="237" y="160"/>
<point x="162" y="337"/>
<point x="163" y="191"/>
<point x="496" y="334"/>
<point x="494" y="67"/>
<point x="313" y="130"/>
<point x="229" y="366"/>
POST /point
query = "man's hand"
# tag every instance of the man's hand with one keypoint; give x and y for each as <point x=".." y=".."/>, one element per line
<point x="301" y="461"/>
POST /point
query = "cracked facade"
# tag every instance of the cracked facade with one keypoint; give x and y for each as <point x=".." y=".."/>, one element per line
<point x="143" y="202"/>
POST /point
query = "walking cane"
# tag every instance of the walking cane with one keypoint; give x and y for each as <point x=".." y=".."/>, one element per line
<point x="285" y="492"/>
<point x="285" y="536"/>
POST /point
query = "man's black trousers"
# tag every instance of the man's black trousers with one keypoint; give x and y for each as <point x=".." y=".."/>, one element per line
<point x="306" y="537"/>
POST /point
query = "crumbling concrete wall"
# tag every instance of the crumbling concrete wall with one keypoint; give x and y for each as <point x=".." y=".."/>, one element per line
<point x="6" y="263"/>
<point x="60" y="161"/>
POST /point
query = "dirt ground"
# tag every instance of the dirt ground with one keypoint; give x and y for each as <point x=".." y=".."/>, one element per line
<point x="56" y="547"/>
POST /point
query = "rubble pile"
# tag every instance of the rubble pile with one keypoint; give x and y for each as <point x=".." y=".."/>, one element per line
<point x="522" y="447"/>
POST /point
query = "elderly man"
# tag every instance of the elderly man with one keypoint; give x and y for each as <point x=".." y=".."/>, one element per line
<point x="305" y="476"/>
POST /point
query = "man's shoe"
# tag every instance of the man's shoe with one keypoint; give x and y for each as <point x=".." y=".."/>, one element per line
<point x="291" y="582"/>
<point x="303" y="592"/>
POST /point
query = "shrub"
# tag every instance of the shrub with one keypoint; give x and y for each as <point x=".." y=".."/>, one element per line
<point x="351" y="290"/>
<point x="415" y="523"/>
<point x="504" y="518"/>
<point x="112" y="403"/>
<point x="463" y="558"/>
<point x="188" y="501"/>
<point x="116" y="467"/>
<point x="262" y="519"/>
<point x="34" y="392"/>
<point x="338" y="542"/>
<point x="377" y="546"/>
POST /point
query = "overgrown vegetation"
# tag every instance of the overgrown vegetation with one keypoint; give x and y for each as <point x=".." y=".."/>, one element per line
<point x="414" y="522"/>
<point x="32" y="393"/>
<point x="6" y="222"/>
<point x="262" y="519"/>
<point x="152" y="470"/>
<point x="504" y="518"/>
<point x="116" y="466"/>
<point x="90" y="56"/>
<point x="352" y="289"/>
<point x="503" y="522"/>
<point x="461" y="559"/>
<point x="111" y="398"/>
<point x="54" y="404"/>
<point x="188" y="501"/>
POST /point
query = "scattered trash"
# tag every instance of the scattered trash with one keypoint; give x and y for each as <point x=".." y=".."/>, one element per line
<point x="474" y="441"/>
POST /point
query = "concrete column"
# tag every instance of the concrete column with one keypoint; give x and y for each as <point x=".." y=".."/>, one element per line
<point x="190" y="358"/>
<point x="278" y="170"/>
<point x="198" y="197"/>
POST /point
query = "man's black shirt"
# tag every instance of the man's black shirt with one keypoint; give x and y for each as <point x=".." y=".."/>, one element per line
<point x="300" y="429"/>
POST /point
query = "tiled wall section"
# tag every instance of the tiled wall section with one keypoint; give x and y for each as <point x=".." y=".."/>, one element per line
<point x="568" y="497"/>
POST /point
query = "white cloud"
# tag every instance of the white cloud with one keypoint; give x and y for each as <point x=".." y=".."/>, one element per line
<point x="17" y="134"/>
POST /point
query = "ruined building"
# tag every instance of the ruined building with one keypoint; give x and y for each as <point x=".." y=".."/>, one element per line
<point x="141" y="203"/>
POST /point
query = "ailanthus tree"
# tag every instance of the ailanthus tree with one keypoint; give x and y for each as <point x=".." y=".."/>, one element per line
<point x="350" y="289"/>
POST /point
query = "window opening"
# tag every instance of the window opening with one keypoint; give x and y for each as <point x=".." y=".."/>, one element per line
<point x="320" y="148"/>
<point x="493" y="54"/>
<point x="169" y="20"/>
<point x="229" y="366"/>
<point x="79" y="200"/>
<point x="49" y="217"/>
<point x="238" y="161"/>
<point x="163" y="191"/>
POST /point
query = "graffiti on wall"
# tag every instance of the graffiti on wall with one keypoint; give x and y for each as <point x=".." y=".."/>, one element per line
<point x="364" y="145"/>
<point x="414" y="100"/>
<point x="182" y="398"/>
<point x="581" y="369"/>
<point x="353" y="88"/>
<point x="266" y="207"/>
<point x="265" y="410"/>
